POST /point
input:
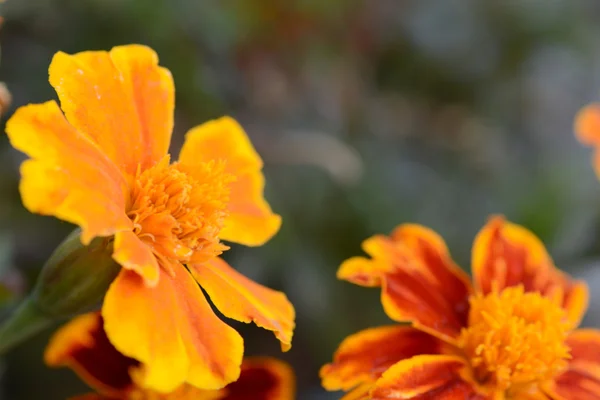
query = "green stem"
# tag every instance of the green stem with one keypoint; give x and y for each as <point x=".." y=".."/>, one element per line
<point x="27" y="321"/>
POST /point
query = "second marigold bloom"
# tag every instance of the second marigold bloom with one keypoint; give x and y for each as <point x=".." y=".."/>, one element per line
<point x="103" y="165"/>
<point x="509" y="335"/>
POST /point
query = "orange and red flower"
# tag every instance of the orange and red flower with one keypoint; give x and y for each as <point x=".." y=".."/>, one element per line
<point x="82" y="345"/>
<point x="509" y="335"/>
<point x="103" y="165"/>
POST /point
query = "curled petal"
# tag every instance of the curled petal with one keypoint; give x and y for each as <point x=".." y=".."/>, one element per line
<point x="244" y="300"/>
<point x="364" y="356"/>
<point x="68" y="175"/>
<point x="505" y="254"/>
<point x="172" y="331"/>
<point x="420" y="282"/>
<point x="369" y="271"/>
<point x="121" y="100"/>
<point x="251" y="221"/>
<point x="83" y="346"/>
<point x="135" y="255"/>
<point x="426" y="377"/>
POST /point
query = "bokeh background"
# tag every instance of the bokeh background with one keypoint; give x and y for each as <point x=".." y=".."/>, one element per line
<point x="368" y="113"/>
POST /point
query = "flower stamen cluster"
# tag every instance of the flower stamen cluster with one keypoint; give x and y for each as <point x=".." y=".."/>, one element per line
<point x="179" y="214"/>
<point x="515" y="338"/>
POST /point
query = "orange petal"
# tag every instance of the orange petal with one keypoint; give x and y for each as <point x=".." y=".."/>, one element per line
<point x="364" y="356"/>
<point x="421" y="283"/>
<point x="122" y="100"/>
<point x="97" y="102"/>
<point x="576" y="385"/>
<point x="251" y="221"/>
<point x="506" y="254"/>
<point x="426" y="377"/>
<point x="153" y="93"/>
<point x="68" y="175"/>
<point x="585" y="351"/>
<point x="83" y="346"/>
<point x="369" y="271"/>
<point x="244" y="300"/>
<point x="409" y="296"/>
<point x="135" y="255"/>
<point x="262" y="378"/>
<point x="172" y="331"/>
<point x="430" y="249"/>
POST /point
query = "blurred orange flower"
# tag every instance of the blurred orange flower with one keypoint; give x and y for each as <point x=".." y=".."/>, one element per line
<point x="587" y="130"/>
<point x="83" y="346"/>
<point x="103" y="165"/>
<point x="509" y="335"/>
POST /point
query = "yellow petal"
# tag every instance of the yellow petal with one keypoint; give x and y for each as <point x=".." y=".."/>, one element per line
<point x="251" y="221"/>
<point x="121" y="100"/>
<point x="244" y="300"/>
<point x="68" y="175"/>
<point x="132" y="253"/>
<point x="172" y="331"/>
<point x="154" y="96"/>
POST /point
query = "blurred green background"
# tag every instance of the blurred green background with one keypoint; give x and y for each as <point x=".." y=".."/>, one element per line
<point x="367" y="113"/>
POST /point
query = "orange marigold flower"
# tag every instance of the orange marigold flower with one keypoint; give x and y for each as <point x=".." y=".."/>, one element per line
<point x="82" y="345"/>
<point x="103" y="165"/>
<point x="509" y="335"/>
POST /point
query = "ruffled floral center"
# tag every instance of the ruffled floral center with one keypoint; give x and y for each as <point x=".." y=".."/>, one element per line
<point x="515" y="339"/>
<point x="179" y="212"/>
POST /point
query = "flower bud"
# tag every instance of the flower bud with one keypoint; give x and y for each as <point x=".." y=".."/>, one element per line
<point x="73" y="280"/>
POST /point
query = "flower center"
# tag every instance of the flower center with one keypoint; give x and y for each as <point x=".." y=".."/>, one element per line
<point x="515" y="339"/>
<point x="179" y="211"/>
